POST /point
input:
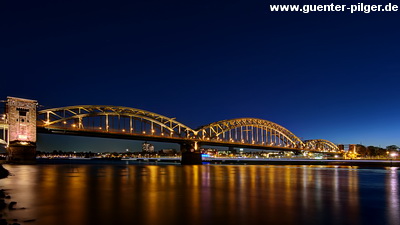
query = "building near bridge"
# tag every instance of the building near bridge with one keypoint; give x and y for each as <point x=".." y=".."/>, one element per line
<point x="347" y="148"/>
<point x="209" y="151"/>
<point x="21" y="120"/>
<point x="167" y="151"/>
<point x="147" y="147"/>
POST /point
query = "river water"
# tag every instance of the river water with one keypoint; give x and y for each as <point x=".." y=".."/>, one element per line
<point x="208" y="194"/>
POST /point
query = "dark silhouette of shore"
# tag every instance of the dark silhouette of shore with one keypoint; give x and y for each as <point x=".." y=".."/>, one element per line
<point x="3" y="172"/>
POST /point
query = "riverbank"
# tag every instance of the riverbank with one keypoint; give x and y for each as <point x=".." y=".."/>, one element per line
<point x="3" y="195"/>
<point x="321" y="162"/>
<point x="3" y="172"/>
<point x="235" y="161"/>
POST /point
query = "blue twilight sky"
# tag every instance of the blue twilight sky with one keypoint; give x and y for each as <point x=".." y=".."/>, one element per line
<point x="328" y="75"/>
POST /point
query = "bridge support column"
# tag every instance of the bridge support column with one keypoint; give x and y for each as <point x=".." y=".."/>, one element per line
<point x="232" y="150"/>
<point x="21" y="154"/>
<point x="21" y="119"/>
<point x="191" y="154"/>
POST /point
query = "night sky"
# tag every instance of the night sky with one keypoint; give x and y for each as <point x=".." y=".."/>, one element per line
<point x="321" y="75"/>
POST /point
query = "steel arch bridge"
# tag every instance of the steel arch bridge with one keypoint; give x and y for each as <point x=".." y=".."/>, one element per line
<point x="320" y="145"/>
<point x="131" y="123"/>
<point x="112" y="119"/>
<point x="250" y="130"/>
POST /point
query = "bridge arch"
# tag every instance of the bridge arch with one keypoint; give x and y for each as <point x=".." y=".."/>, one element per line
<point x="125" y="120"/>
<point x="249" y="131"/>
<point x="104" y="118"/>
<point x="321" y="145"/>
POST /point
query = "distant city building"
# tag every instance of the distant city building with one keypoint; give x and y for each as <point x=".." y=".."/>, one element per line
<point x="347" y="147"/>
<point x="209" y="151"/>
<point x="147" y="147"/>
<point x="167" y="151"/>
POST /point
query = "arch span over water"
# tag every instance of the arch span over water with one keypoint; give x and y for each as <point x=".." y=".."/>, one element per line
<point x="132" y="121"/>
<point x="112" y="118"/>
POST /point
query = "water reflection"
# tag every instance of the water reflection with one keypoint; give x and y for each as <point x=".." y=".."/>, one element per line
<point x="212" y="194"/>
<point x="392" y="196"/>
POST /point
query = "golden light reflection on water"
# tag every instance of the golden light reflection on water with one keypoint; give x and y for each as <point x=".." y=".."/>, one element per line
<point x="392" y="196"/>
<point x="208" y="194"/>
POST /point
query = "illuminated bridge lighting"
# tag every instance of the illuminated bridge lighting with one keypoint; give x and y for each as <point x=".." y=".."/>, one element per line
<point x="117" y="120"/>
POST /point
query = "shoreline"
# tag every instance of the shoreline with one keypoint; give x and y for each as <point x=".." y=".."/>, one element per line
<point x="228" y="161"/>
<point x="365" y="163"/>
<point x="3" y="172"/>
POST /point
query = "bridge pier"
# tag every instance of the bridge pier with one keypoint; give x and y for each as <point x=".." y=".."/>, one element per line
<point x="190" y="154"/>
<point x="21" y="154"/>
<point x="21" y="119"/>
